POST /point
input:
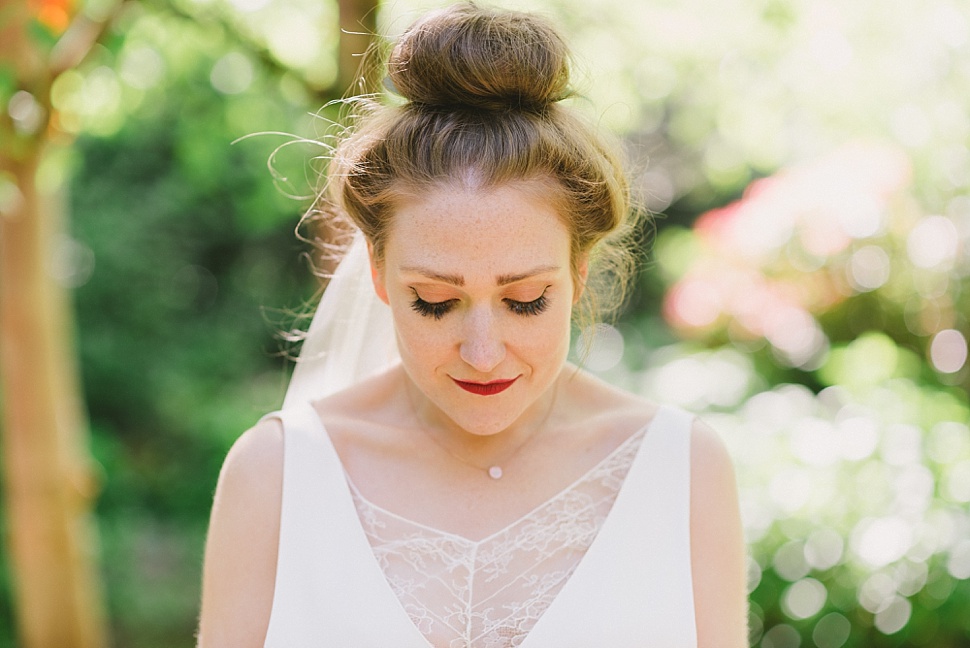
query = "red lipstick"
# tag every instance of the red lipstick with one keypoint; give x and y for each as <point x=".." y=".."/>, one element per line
<point x="485" y="389"/>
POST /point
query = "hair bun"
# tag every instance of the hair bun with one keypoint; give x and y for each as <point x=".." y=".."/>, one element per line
<point x="473" y="57"/>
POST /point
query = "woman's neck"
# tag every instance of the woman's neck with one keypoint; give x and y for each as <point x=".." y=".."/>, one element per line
<point x="483" y="449"/>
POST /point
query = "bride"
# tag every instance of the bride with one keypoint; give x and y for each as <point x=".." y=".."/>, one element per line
<point x="471" y="487"/>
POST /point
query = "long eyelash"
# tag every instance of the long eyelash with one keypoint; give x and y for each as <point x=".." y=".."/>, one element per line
<point x="437" y="310"/>
<point x="533" y="307"/>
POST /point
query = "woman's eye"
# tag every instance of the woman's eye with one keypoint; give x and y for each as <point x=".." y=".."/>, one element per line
<point x="436" y="310"/>
<point x="533" y="307"/>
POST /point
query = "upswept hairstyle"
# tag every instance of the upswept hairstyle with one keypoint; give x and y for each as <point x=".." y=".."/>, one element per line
<point x="482" y="90"/>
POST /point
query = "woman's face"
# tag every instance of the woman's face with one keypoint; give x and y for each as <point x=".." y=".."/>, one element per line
<point x="481" y="290"/>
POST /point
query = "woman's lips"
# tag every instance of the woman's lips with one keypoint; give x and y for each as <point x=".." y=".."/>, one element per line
<point x="485" y="389"/>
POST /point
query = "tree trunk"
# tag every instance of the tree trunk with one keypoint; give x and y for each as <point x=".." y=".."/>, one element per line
<point x="49" y="483"/>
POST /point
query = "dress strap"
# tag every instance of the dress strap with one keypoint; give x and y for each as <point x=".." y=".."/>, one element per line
<point x="329" y="587"/>
<point x="641" y="556"/>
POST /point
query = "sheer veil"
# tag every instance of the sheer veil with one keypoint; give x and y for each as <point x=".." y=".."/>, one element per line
<point x="351" y="336"/>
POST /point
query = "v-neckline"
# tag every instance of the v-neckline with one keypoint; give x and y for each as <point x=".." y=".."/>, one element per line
<point x="578" y="572"/>
<point x="633" y="438"/>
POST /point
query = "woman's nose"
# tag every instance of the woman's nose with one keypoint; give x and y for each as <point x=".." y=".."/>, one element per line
<point x="482" y="346"/>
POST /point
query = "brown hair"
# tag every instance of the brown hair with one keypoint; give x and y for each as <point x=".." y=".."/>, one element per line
<point x="483" y="90"/>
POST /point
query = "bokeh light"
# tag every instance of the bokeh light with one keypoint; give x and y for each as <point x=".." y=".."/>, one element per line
<point x="600" y="347"/>
<point x="804" y="598"/>
<point x="948" y="351"/>
<point x="232" y="73"/>
<point x="831" y="631"/>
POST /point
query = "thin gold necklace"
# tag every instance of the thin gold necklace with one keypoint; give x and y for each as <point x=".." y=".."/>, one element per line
<point x="495" y="470"/>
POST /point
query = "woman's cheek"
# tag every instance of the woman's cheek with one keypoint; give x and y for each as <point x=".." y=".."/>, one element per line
<point x="420" y="340"/>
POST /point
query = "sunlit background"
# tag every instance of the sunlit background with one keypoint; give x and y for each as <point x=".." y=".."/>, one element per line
<point x="807" y="291"/>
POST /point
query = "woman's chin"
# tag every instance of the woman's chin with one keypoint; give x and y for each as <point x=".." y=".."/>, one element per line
<point x="486" y="424"/>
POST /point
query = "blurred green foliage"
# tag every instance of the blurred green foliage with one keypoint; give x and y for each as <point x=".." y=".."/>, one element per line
<point x="185" y="268"/>
<point x="851" y="441"/>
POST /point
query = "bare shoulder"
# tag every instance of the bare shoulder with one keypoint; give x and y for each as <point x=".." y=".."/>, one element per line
<point x="710" y="460"/>
<point x="258" y="449"/>
<point x="252" y="473"/>
<point x="241" y="547"/>
<point x="717" y="543"/>
<point x="713" y="486"/>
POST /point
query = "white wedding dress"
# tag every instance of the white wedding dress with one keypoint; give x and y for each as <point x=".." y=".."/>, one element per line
<point x="605" y="563"/>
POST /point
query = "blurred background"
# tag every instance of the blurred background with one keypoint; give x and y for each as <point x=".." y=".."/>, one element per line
<point x="807" y="289"/>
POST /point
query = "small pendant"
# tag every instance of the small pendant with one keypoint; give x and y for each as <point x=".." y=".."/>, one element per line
<point x="495" y="472"/>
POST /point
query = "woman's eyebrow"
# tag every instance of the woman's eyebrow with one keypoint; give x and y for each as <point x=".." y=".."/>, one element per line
<point x="455" y="280"/>
<point x="458" y="280"/>
<point x="504" y="280"/>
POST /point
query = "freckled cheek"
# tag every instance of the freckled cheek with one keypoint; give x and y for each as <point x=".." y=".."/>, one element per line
<point x="559" y="337"/>
<point x="541" y="345"/>
<point x="423" y="345"/>
<point x="557" y="345"/>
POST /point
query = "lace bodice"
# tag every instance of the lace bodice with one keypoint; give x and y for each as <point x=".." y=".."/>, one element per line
<point x="489" y="593"/>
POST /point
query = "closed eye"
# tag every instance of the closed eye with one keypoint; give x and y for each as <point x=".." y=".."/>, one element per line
<point x="533" y="307"/>
<point x="437" y="310"/>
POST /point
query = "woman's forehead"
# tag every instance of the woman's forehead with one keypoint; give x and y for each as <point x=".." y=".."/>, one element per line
<point x="452" y="220"/>
<point x="502" y="231"/>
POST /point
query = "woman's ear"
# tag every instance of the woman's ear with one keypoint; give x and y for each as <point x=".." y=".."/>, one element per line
<point x="582" y="274"/>
<point x="377" y="274"/>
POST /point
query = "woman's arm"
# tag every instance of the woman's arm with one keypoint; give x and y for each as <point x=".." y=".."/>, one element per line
<point x="717" y="545"/>
<point x="240" y="554"/>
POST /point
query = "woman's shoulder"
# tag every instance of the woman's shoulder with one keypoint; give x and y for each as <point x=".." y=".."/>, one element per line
<point x="257" y="452"/>
<point x="250" y="488"/>
<point x="717" y="542"/>
<point x="252" y="475"/>
<point x="243" y="540"/>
